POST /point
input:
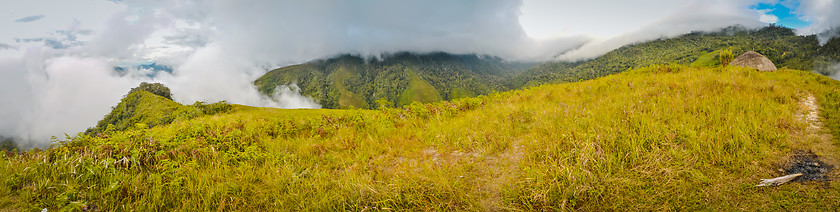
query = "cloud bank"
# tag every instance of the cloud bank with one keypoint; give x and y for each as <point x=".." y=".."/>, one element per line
<point x="47" y="94"/>
<point x="825" y="18"/>
<point x="210" y="74"/>
<point x="298" y="31"/>
<point x="690" y="16"/>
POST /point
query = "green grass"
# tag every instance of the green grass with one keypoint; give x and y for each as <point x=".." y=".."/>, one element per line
<point x="346" y="98"/>
<point x="707" y="59"/>
<point x="655" y="138"/>
<point x="458" y="93"/>
<point x="418" y="90"/>
<point x="141" y="109"/>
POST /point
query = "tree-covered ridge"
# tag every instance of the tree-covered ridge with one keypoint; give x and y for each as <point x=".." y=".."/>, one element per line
<point x="154" y="88"/>
<point x="350" y="80"/>
<point x="141" y="109"/>
<point x="779" y="44"/>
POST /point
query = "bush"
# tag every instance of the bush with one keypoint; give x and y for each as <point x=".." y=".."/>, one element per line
<point x="213" y="108"/>
<point x="726" y="57"/>
<point x="155" y="88"/>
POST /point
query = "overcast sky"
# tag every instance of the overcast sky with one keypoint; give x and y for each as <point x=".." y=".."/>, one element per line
<point x="57" y="56"/>
<point x="283" y="32"/>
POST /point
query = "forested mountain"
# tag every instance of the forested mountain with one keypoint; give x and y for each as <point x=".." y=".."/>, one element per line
<point x="394" y="80"/>
<point x="402" y="78"/>
<point x="701" y="49"/>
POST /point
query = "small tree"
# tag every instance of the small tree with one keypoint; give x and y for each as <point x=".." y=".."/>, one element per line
<point x="384" y="103"/>
<point x="725" y="57"/>
<point x="155" y="88"/>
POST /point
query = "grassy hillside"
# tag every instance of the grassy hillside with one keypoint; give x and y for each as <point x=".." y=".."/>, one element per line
<point x="655" y="138"/>
<point x="351" y="81"/>
<point x="419" y="90"/>
<point x="140" y="109"/>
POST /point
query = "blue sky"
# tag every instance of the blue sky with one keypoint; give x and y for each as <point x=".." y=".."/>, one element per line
<point x="784" y="12"/>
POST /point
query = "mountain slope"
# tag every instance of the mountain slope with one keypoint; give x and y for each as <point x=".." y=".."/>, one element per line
<point x="656" y="138"/>
<point x="141" y="109"/>
<point x="348" y="80"/>
<point x="779" y="44"/>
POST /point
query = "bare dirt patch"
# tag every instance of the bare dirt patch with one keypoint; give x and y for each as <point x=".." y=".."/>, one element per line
<point x="809" y="165"/>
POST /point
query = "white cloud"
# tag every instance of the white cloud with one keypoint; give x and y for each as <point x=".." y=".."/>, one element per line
<point x="835" y="70"/>
<point x="211" y="75"/>
<point x="49" y="92"/>
<point x="693" y="16"/>
<point x="768" y="18"/>
<point x="824" y="15"/>
<point x="4" y="46"/>
<point x="599" y="18"/>
<point x="298" y="31"/>
<point x="46" y="94"/>
<point x="74" y="95"/>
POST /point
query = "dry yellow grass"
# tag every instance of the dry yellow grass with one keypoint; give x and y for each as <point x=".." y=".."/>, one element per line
<point x="656" y="138"/>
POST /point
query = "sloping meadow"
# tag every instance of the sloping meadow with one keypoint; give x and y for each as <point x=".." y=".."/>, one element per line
<point x="659" y="137"/>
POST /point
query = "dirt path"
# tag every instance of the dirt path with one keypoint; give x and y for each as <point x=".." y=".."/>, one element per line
<point x="504" y="167"/>
<point x="810" y="114"/>
<point x="815" y="135"/>
<point x="812" y="142"/>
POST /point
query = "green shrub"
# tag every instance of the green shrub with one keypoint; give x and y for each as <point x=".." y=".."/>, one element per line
<point x="726" y="57"/>
<point x="214" y="108"/>
<point x="154" y="88"/>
